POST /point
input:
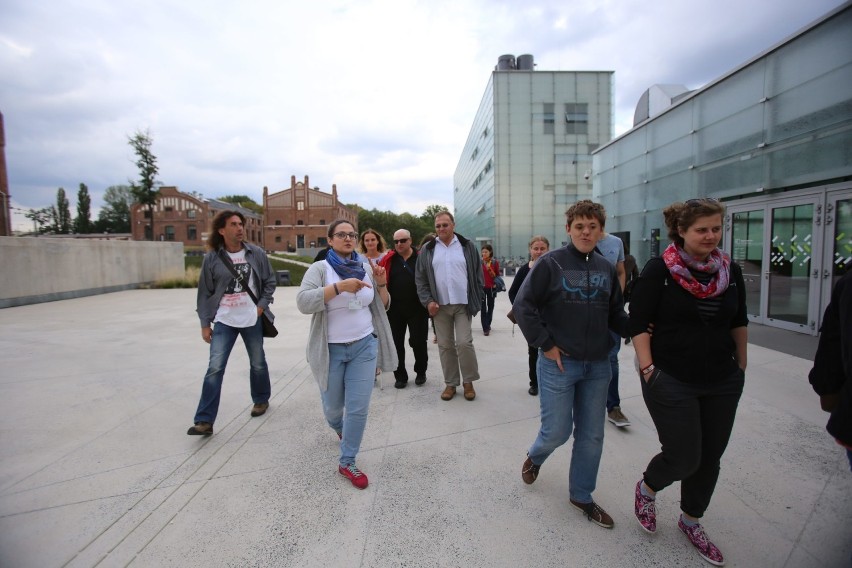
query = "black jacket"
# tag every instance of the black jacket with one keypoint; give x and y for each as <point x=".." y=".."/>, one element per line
<point x="683" y="345"/>
<point x="571" y="299"/>
<point x="832" y="371"/>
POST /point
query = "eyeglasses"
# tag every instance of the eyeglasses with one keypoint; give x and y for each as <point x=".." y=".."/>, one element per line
<point x="441" y="225"/>
<point x="398" y="241"/>
<point x="343" y="236"/>
<point x="700" y="201"/>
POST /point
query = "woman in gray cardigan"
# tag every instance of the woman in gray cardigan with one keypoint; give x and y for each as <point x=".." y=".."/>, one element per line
<point x="349" y="335"/>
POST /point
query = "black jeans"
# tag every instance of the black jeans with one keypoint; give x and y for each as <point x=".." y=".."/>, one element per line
<point x="417" y="324"/>
<point x="694" y="423"/>
<point x="487" y="310"/>
<point x="532" y="352"/>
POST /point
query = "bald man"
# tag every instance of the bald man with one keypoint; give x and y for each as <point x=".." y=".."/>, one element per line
<point x="406" y="311"/>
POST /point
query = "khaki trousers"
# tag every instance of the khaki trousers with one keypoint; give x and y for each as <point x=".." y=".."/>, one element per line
<point x="455" y="345"/>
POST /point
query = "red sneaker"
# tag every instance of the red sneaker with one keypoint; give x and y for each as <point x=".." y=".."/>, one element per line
<point x="355" y="475"/>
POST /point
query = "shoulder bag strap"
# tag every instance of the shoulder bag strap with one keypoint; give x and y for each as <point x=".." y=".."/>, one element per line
<point x="240" y="278"/>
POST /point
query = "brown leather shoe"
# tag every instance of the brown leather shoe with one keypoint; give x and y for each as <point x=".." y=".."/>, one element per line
<point x="529" y="471"/>
<point x="469" y="393"/>
<point x="259" y="409"/>
<point x="200" y="429"/>
<point x="448" y="393"/>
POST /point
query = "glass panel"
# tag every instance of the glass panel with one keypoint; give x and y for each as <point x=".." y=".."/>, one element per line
<point x="790" y="263"/>
<point x="748" y="253"/>
<point x="842" y="255"/>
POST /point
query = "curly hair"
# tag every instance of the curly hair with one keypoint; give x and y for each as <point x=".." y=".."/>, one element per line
<point x="216" y="240"/>
<point x="680" y="215"/>
<point x="588" y="209"/>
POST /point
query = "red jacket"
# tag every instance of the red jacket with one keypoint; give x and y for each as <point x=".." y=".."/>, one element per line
<point x="487" y="274"/>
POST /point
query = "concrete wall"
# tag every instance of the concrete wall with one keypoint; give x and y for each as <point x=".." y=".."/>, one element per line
<point x="46" y="269"/>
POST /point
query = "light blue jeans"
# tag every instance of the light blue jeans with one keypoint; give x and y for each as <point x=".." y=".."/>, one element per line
<point x="573" y="400"/>
<point x="351" y="374"/>
<point x="224" y="337"/>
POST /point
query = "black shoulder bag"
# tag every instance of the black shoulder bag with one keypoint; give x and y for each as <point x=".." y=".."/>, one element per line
<point x="268" y="327"/>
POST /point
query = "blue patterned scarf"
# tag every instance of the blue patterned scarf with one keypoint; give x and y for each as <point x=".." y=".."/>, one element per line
<point x="351" y="268"/>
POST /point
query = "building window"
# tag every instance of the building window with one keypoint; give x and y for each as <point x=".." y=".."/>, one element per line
<point x="300" y="205"/>
<point x="549" y="117"/>
<point x="278" y="239"/>
<point x="147" y="214"/>
<point x="300" y="222"/>
<point x="169" y="209"/>
<point x="322" y="222"/>
<point x="278" y="221"/>
<point x="191" y="233"/>
<point x="475" y="153"/>
<point x="322" y="242"/>
<point x="576" y="118"/>
<point x="170" y="232"/>
<point x="190" y="213"/>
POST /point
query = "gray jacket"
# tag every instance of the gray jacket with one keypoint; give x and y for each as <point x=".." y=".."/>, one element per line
<point x="215" y="277"/>
<point x="425" y="276"/>
<point x="311" y="300"/>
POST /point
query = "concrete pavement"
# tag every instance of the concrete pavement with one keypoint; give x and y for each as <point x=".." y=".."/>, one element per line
<point x="96" y="394"/>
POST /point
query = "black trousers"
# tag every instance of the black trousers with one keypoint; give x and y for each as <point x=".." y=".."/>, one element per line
<point x="417" y="324"/>
<point x="694" y="423"/>
<point x="532" y="352"/>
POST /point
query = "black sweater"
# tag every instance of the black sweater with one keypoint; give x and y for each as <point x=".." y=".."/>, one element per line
<point x="683" y="345"/>
<point x="571" y="299"/>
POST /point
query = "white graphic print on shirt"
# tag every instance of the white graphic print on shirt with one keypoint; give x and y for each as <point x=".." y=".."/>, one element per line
<point x="236" y="307"/>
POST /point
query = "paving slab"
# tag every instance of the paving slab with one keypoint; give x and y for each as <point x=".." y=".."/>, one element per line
<point x="96" y="394"/>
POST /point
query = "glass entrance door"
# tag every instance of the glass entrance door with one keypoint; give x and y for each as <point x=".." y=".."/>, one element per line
<point x="838" y="249"/>
<point x="789" y="273"/>
<point x="747" y="251"/>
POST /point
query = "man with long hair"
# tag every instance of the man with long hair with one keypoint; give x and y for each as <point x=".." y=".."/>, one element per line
<point x="229" y="269"/>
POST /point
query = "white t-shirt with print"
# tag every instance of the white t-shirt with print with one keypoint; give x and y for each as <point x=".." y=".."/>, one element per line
<point x="236" y="307"/>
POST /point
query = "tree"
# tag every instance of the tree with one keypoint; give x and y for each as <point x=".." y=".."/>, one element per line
<point x="83" y="220"/>
<point x="62" y="217"/>
<point x="42" y="219"/>
<point x="243" y="201"/>
<point x="429" y="214"/>
<point x="115" y="214"/>
<point x="145" y="190"/>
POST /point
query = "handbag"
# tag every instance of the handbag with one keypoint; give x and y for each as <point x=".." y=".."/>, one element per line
<point x="268" y="327"/>
<point x="499" y="284"/>
<point x="511" y="316"/>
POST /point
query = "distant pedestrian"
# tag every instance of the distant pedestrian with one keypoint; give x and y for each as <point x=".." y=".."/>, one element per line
<point x="831" y="376"/>
<point x="372" y="245"/>
<point x="449" y="284"/>
<point x="490" y="271"/>
<point x="692" y="370"/>
<point x="406" y="311"/>
<point x="225" y="300"/>
<point x="347" y="297"/>
<point x="538" y="246"/>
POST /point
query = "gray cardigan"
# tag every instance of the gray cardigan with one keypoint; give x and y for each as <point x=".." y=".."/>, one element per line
<point x="310" y="300"/>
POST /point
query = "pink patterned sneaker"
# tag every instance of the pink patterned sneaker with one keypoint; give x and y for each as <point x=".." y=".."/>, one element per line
<point x="699" y="540"/>
<point x="646" y="510"/>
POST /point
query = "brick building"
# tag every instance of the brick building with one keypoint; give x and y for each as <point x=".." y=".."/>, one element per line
<point x="183" y="217"/>
<point x="298" y="217"/>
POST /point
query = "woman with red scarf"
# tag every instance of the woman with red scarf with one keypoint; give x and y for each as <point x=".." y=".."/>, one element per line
<point x="693" y="368"/>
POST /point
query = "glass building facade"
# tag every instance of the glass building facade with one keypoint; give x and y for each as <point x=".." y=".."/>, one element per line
<point x="773" y="140"/>
<point x="528" y="156"/>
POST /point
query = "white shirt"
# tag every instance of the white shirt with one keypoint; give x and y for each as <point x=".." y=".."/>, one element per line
<point x="236" y="307"/>
<point x="346" y="324"/>
<point x="450" y="269"/>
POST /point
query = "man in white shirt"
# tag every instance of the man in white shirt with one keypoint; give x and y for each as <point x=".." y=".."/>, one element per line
<point x="450" y="286"/>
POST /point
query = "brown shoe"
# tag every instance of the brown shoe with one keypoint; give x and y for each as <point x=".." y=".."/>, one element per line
<point x="259" y="409"/>
<point x="594" y="513"/>
<point x="200" y="429"/>
<point x="529" y="471"/>
<point x="469" y="393"/>
<point x="448" y="393"/>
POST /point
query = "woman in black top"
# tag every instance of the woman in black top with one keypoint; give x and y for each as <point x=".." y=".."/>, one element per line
<point x="538" y="246"/>
<point x="692" y="369"/>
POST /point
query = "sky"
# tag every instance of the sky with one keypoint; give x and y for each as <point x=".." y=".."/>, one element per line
<point x="375" y="96"/>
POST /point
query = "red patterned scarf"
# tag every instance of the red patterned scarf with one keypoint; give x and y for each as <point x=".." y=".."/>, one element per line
<point x="718" y="264"/>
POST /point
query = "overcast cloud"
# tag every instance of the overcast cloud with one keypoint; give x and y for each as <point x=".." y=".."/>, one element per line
<point x="376" y="96"/>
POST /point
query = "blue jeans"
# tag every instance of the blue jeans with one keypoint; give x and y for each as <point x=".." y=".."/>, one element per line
<point x="612" y="398"/>
<point x="351" y="374"/>
<point x="487" y="313"/>
<point x="224" y="337"/>
<point x="574" y="399"/>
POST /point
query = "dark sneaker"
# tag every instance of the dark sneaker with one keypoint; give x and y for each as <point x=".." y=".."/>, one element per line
<point x="259" y="409"/>
<point x="617" y="417"/>
<point x="595" y="514"/>
<point x="529" y="471"/>
<point x="354" y="475"/>
<point x="400" y="384"/>
<point x="646" y="510"/>
<point x="200" y="429"/>
<point x="533" y="390"/>
<point x="702" y="544"/>
<point x="420" y="379"/>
